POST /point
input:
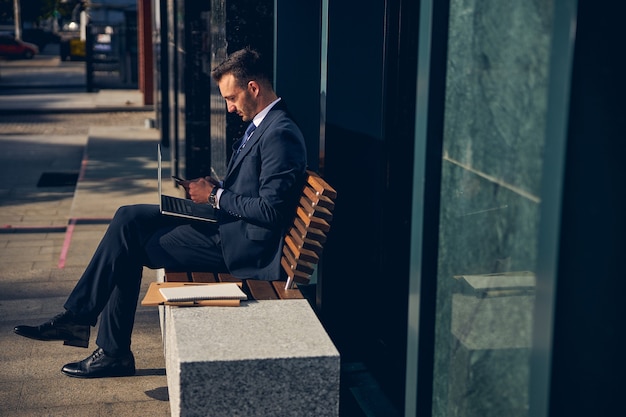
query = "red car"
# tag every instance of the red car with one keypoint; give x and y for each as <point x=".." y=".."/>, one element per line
<point x="15" y="48"/>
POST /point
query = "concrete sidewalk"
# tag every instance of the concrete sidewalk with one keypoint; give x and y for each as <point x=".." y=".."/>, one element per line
<point x="48" y="235"/>
<point x="74" y="102"/>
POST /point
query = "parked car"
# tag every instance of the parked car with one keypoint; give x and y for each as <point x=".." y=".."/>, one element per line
<point x="15" y="48"/>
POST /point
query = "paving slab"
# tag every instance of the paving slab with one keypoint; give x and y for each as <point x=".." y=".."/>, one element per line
<point x="34" y="239"/>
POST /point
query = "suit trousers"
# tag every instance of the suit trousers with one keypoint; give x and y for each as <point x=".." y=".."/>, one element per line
<point x="138" y="236"/>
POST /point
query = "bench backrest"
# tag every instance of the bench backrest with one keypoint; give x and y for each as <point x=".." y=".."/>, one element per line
<point x="305" y="239"/>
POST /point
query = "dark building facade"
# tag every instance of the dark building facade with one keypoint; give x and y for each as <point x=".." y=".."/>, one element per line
<point x="473" y="264"/>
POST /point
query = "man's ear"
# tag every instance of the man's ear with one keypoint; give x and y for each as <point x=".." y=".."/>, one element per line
<point x="253" y="88"/>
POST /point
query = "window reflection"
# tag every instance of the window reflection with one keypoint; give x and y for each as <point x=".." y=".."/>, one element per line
<point x="493" y="138"/>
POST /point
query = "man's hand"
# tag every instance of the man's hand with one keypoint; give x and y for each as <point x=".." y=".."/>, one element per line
<point x="200" y="189"/>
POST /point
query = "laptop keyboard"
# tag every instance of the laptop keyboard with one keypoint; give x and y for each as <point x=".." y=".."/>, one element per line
<point x="178" y="205"/>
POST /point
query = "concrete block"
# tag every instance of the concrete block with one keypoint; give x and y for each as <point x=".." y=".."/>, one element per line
<point x="264" y="358"/>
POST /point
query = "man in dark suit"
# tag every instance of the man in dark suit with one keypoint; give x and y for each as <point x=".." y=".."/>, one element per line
<point x="255" y="200"/>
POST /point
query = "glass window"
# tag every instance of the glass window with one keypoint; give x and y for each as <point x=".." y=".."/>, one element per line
<point x="494" y="134"/>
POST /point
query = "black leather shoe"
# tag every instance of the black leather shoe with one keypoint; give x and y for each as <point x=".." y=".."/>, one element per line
<point x="65" y="326"/>
<point x="100" y="365"/>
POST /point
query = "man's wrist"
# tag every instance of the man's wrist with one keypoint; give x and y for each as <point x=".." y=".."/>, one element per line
<point x="212" y="200"/>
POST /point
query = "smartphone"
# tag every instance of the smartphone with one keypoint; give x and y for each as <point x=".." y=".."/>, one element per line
<point x="179" y="180"/>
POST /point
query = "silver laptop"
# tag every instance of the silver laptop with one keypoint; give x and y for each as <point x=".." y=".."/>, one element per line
<point x="181" y="207"/>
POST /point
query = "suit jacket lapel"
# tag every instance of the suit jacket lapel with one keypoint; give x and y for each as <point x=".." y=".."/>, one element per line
<point x="233" y="156"/>
<point x="256" y="136"/>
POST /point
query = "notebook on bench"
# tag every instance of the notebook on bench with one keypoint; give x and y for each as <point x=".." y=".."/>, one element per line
<point x="181" y="207"/>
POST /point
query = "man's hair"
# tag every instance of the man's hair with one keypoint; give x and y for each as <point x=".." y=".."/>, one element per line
<point x="245" y="65"/>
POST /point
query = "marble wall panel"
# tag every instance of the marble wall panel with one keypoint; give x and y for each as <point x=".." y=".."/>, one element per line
<point x="494" y="134"/>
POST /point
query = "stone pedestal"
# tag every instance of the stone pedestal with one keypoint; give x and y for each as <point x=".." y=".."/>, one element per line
<point x="264" y="358"/>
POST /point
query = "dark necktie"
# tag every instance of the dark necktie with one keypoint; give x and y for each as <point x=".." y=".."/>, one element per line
<point x="246" y="136"/>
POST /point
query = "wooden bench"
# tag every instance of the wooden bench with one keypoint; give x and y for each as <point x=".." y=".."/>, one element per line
<point x="302" y="250"/>
<point x="271" y="356"/>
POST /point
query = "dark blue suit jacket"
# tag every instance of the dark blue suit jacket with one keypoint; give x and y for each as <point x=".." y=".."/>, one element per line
<point x="261" y="189"/>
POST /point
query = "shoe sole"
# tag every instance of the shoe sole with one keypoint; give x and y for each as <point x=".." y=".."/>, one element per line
<point x="69" y="342"/>
<point x="106" y="375"/>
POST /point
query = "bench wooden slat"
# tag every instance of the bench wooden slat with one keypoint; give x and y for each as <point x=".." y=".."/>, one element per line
<point x="307" y="244"/>
<point x="313" y="246"/>
<point x="298" y="264"/>
<point x="318" y="199"/>
<point x="309" y="233"/>
<point x="177" y="277"/>
<point x="317" y="211"/>
<point x="203" y="277"/>
<point x="312" y="221"/>
<point x="321" y="186"/>
<point x="293" y="275"/>
<point x="286" y="293"/>
<point x="261" y="290"/>
<point x="224" y="277"/>
<point x="289" y="258"/>
<point x="301" y="253"/>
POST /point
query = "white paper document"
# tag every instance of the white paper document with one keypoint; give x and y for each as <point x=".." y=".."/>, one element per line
<point x="222" y="291"/>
